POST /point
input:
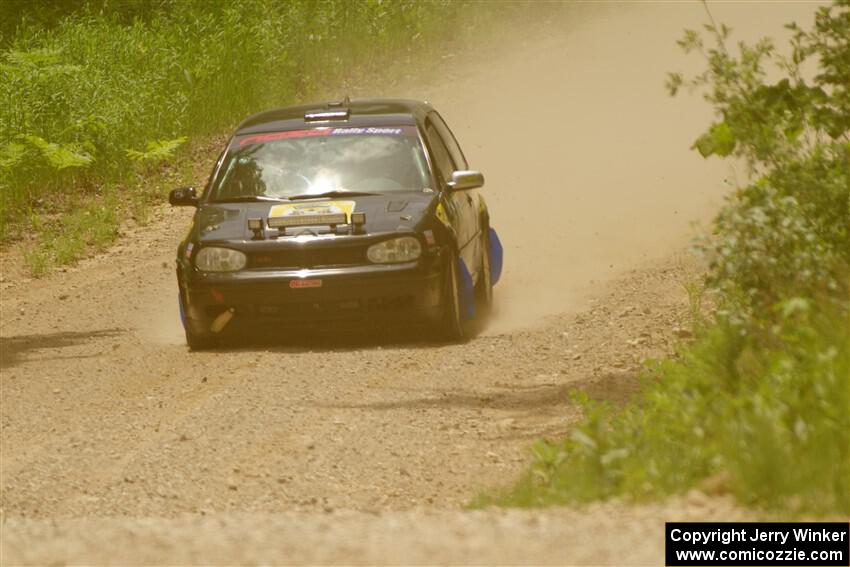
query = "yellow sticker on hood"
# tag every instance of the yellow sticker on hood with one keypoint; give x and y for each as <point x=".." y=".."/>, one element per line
<point x="313" y="208"/>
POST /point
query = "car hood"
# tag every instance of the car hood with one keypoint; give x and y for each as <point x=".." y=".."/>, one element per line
<point x="397" y="212"/>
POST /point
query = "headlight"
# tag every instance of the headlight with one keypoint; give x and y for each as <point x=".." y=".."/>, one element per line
<point x="213" y="259"/>
<point x="404" y="249"/>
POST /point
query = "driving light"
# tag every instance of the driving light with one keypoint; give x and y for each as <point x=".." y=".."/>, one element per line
<point x="358" y="223"/>
<point x="214" y="259"/>
<point x="404" y="249"/>
<point x="256" y="226"/>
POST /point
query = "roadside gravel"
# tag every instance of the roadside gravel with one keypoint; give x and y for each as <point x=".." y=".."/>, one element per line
<point x="119" y="446"/>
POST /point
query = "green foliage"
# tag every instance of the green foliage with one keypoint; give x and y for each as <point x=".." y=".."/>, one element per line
<point x="719" y="140"/>
<point x="88" y="228"/>
<point x="763" y="395"/>
<point x="158" y="150"/>
<point x="58" y="156"/>
<point x="787" y="233"/>
<point x="771" y="123"/>
<point x="772" y="412"/>
<point x="94" y="89"/>
<point x="11" y="155"/>
<point x="766" y="249"/>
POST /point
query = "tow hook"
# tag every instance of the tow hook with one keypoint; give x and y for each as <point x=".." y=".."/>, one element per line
<point x="222" y="320"/>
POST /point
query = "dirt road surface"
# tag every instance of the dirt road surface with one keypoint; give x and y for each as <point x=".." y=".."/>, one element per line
<point x="121" y="447"/>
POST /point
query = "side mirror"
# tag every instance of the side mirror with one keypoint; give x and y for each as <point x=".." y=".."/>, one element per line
<point x="464" y="180"/>
<point x="183" y="197"/>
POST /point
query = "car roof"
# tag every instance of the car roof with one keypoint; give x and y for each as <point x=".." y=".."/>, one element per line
<point x="361" y="112"/>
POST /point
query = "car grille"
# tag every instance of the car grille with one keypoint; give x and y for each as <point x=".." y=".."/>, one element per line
<point x="313" y="258"/>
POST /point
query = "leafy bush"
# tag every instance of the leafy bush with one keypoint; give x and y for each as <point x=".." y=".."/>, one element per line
<point x="772" y="413"/>
<point x="97" y="94"/>
<point x="767" y="248"/>
<point x="762" y="398"/>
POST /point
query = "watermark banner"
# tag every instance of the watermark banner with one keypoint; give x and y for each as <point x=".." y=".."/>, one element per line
<point x="757" y="543"/>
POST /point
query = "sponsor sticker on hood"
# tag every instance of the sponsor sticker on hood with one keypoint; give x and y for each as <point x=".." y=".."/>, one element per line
<point x="313" y="208"/>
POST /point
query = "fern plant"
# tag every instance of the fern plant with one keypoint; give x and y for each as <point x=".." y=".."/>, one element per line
<point x="157" y="150"/>
<point x="60" y="156"/>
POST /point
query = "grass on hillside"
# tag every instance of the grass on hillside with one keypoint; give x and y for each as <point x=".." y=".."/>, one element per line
<point x="96" y="103"/>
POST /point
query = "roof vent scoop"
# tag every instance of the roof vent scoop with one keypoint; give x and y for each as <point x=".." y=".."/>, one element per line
<point x="332" y="111"/>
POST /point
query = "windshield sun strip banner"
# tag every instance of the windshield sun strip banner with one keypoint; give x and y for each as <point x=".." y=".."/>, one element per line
<point x="326" y="131"/>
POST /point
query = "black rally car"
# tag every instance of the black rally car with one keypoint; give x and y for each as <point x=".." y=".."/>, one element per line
<point x="361" y="212"/>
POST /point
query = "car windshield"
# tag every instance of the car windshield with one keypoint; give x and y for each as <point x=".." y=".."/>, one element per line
<point x="300" y="163"/>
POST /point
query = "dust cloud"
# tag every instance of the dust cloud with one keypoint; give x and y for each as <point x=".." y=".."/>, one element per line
<point x="586" y="157"/>
<point x="162" y="323"/>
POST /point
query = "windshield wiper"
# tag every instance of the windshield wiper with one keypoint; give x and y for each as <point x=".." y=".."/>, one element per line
<point x="248" y="199"/>
<point x="337" y="193"/>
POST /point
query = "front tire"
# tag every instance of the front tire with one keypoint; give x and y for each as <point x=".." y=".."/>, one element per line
<point x="451" y="327"/>
<point x="484" y="286"/>
<point x="197" y="341"/>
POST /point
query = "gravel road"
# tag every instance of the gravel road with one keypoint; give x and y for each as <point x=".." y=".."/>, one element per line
<point x="121" y="447"/>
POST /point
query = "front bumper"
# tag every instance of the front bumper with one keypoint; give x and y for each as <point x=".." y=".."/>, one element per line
<point x="363" y="296"/>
